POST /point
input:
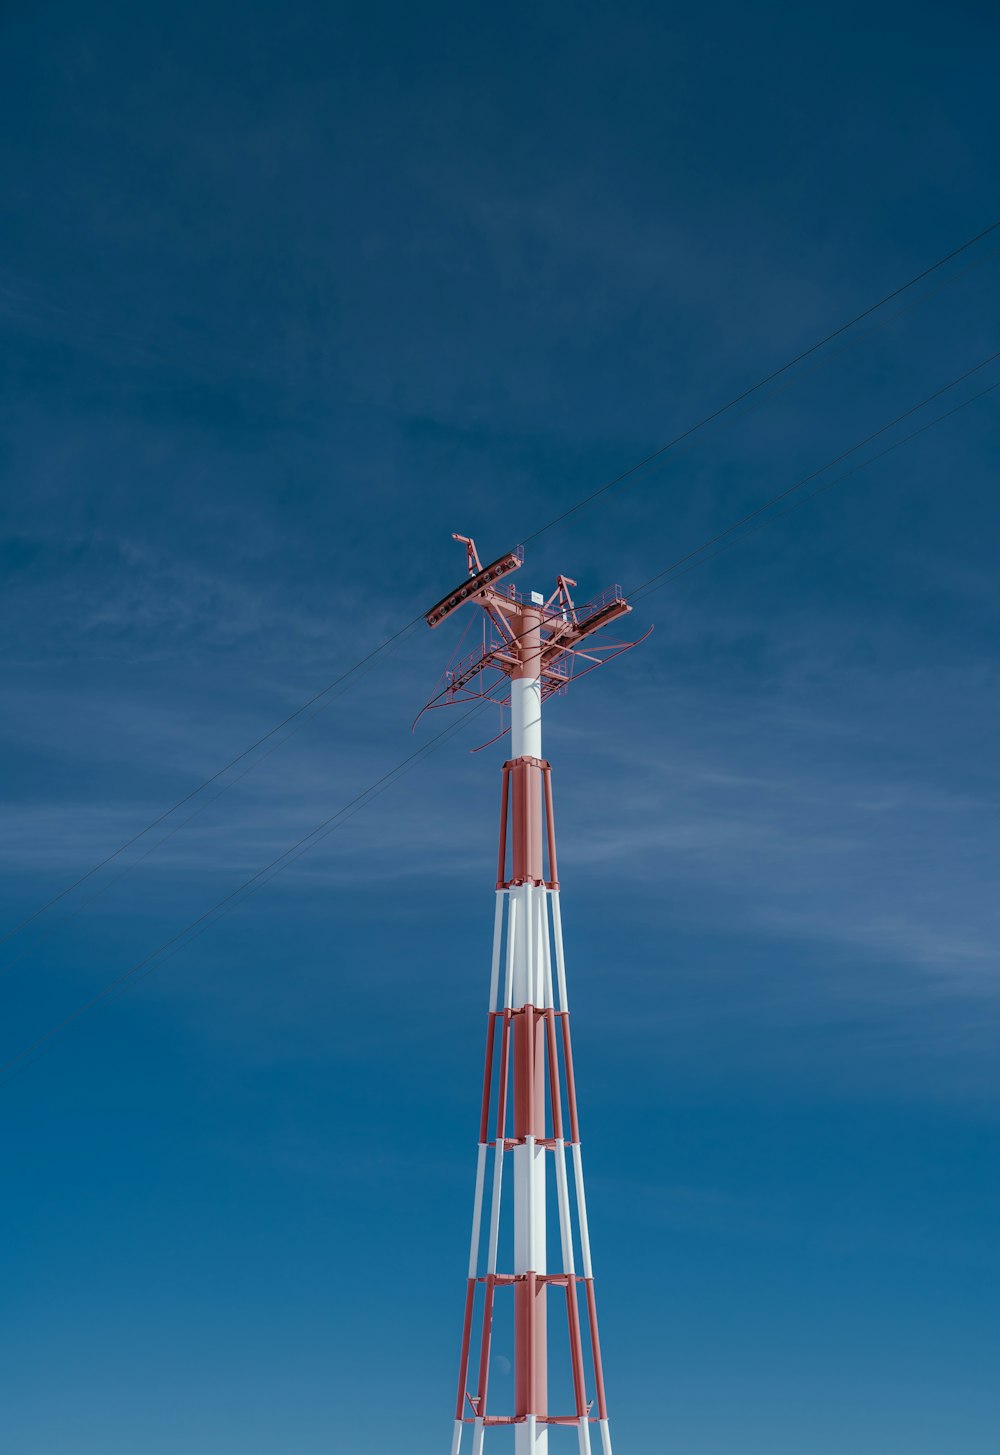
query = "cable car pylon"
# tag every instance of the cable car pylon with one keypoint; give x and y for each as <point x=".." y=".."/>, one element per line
<point x="531" y="648"/>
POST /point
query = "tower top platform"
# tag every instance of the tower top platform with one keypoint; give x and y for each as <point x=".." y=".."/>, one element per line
<point x="523" y="635"/>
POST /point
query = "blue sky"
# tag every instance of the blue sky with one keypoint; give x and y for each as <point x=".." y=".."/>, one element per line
<point x="288" y="294"/>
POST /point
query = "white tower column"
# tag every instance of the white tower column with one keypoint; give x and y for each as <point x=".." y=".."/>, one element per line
<point x="530" y="957"/>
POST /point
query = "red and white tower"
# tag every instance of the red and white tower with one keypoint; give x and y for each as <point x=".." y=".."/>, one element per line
<point x="529" y="1130"/>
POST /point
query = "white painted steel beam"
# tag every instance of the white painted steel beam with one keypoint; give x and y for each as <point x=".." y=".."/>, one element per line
<point x="526" y="717"/>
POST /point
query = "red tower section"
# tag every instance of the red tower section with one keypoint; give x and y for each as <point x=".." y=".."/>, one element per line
<point x="529" y="1128"/>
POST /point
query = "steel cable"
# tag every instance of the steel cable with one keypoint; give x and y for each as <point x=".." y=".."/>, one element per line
<point x="396" y="637"/>
<point x="124" y="981"/>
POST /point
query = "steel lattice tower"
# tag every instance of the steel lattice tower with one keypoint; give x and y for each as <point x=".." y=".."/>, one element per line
<point x="530" y="649"/>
